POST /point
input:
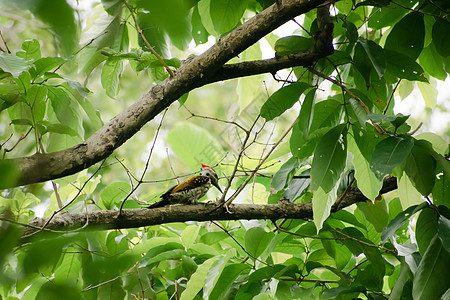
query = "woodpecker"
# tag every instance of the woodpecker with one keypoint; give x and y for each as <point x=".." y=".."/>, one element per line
<point x="190" y="190"/>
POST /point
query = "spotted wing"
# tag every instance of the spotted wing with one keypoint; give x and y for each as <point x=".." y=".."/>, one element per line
<point x="190" y="183"/>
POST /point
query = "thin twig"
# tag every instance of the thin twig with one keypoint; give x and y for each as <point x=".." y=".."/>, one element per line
<point x="146" y="164"/>
<point x="239" y="244"/>
<point x="364" y="106"/>
<point x="141" y="33"/>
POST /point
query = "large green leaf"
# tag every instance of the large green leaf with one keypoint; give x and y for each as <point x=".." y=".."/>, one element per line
<point x="430" y="277"/>
<point x="301" y="129"/>
<point x="13" y="64"/>
<point x="228" y="276"/>
<point x="292" y="44"/>
<point x="376" y="213"/>
<point x="444" y="232"/>
<point x="32" y="50"/>
<point x="329" y="158"/>
<point x="426" y="228"/>
<point x="432" y="62"/>
<point x="441" y="30"/>
<point x="390" y="153"/>
<point x="402" y="66"/>
<point x="407" y="36"/>
<point x="110" y="76"/>
<point x="420" y="167"/>
<point x="368" y="183"/>
<point x="283" y="175"/>
<point x="375" y="54"/>
<point x="282" y="100"/>
<point x="362" y="63"/>
<point x="257" y="240"/>
<point x="399" y="220"/>
<point x="226" y="14"/>
<point x="170" y="17"/>
<point x="60" y="16"/>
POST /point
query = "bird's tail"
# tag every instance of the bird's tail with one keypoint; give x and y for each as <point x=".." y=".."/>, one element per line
<point x="165" y="201"/>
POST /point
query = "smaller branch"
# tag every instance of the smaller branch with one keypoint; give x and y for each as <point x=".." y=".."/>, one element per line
<point x="214" y="119"/>
<point x="70" y="202"/>
<point x="242" y="186"/>
<point x="146" y="164"/>
<point x="141" y="33"/>
<point x="4" y="42"/>
<point x="17" y="143"/>
<point x="364" y="243"/>
<point x="391" y="97"/>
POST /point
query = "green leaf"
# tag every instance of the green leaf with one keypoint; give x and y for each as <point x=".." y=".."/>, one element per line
<point x="420" y="166"/>
<point x="368" y="183"/>
<point x="257" y="240"/>
<point x="362" y="63"/>
<point x="110" y="76"/>
<point x="170" y="17"/>
<point x="26" y="122"/>
<point x="444" y="232"/>
<point x="432" y="62"/>
<point x="375" y="54"/>
<point x="114" y="193"/>
<point x="322" y="202"/>
<point x="387" y="16"/>
<point x="226" y="14"/>
<point x="36" y="94"/>
<point x="45" y="64"/>
<point x="301" y="129"/>
<point x="402" y="66"/>
<point x="292" y="44"/>
<point x="399" y="220"/>
<point x="60" y="16"/>
<point x="281" y="177"/>
<point x="9" y="173"/>
<point x="282" y="100"/>
<point x="351" y="31"/>
<point x="199" y="32"/>
<point x="390" y="153"/>
<point x="376" y="213"/>
<point x="13" y="64"/>
<point x="441" y="30"/>
<point x="359" y="112"/>
<point x="407" y="36"/>
<point x="55" y="290"/>
<point x="329" y="158"/>
<point x="227" y="278"/>
<point x="428" y="280"/>
<point x="426" y="228"/>
<point x="32" y="50"/>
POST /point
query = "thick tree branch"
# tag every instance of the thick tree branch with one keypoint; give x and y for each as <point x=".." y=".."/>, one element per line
<point x="132" y="218"/>
<point x="201" y="70"/>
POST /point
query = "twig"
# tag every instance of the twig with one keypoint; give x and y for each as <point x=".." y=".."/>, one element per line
<point x="239" y="244"/>
<point x="141" y="33"/>
<point x="242" y="186"/>
<point x="146" y="165"/>
<point x="364" y="106"/>
<point x="391" y="97"/>
<point x="4" y="42"/>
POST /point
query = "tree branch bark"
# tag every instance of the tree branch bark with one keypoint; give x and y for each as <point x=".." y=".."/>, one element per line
<point x="201" y="70"/>
<point x="132" y="218"/>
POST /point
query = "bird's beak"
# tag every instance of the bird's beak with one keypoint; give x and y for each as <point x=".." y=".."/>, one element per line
<point x="216" y="184"/>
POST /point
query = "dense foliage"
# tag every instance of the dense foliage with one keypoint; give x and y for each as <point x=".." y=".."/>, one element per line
<point x="327" y="126"/>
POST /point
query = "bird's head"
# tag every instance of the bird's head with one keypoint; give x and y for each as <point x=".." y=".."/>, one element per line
<point x="209" y="172"/>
